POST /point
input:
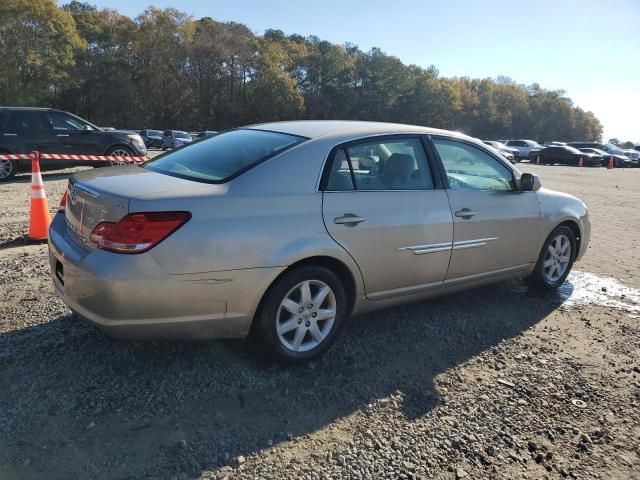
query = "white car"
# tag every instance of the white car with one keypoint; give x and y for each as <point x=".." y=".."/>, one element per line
<point x="525" y="147"/>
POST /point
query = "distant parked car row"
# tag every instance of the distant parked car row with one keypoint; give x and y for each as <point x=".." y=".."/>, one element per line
<point x="171" y="138"/>
<point x="593" y="154"/>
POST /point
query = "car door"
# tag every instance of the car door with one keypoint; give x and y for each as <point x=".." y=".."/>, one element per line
<point x="27" y="131"/>
<point x="382" y="204"/>
<point x="76" y="136"/>
<point x="496" y="228"/>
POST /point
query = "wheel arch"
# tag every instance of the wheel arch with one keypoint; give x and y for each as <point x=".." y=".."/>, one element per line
<point x="118" y="144"/>
<point x="338" y="267"/>
<point x="577" y="233"/>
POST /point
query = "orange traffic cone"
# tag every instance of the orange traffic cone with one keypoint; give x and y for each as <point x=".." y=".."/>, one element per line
<point x="611" y="164"/>
<point x="581" y="162"/>
<point x="39" y="218"/>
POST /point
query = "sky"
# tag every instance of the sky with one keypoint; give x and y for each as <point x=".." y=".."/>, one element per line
<point x="589" y="48"/>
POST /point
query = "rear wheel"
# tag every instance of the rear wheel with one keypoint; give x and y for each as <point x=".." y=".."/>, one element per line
<point x="119" y="151"/>
<point x="301" y="313"/>
<point x="555" y="260"/>
<point x="8" y="169"/>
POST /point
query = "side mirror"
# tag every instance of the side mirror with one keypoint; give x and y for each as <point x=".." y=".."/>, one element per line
<point x="529" y="182"/>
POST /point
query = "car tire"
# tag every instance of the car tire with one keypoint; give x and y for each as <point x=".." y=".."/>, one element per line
<point x="552" y="269"/>
<point x="288" y="321"/>
<point x="8" y="170"/>
<point x="119" y="150"/>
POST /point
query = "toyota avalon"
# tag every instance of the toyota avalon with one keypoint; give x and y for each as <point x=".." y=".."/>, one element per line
<point x="285" y="230"/>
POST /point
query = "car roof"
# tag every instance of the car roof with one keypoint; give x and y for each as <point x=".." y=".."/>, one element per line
<point x="321" y="128"/>
<point x="42" y="109"/>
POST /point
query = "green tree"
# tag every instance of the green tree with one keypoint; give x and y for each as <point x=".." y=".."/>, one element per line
<point x="37" y="45"/>
<point x="273" y="91"/>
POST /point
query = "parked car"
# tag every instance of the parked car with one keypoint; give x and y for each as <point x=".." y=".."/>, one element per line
<point x="286" y="229"/>
<point x="205" y="134"/>
<point x="607" y="147"/>
<point x="512" y="154"/>
<point x="152" y="138"/>
<point x="47" y="130"/>
<point x="634" y="156"/>
<point x="619" y="161"/>
<point x="566" y="155"/>
<point x="175" y="139"/>
<point x="527" y="148"/>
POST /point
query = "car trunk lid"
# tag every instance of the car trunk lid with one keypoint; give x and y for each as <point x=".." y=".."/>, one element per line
<point x="100" y="195"/>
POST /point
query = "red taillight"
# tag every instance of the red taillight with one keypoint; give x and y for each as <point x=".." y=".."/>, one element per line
<point x="63" y="203"/>
<point x="137" y="232"/>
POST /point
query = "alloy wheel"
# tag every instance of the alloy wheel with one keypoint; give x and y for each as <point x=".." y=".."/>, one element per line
<point x="6" y="169"/>
<point x="121" y="153"/>
<point x="306" y="315"/>
<point x="557" y="258"/>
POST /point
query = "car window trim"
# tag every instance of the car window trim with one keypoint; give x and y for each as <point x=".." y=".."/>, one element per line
<point x="445" y="178"/>
<point x="329" y="159"/>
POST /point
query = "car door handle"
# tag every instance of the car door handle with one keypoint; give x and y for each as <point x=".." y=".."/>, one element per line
<point x="348" y="220"/>
<point x="10" y="134"/>
<point x="62" y="135"/>
<point x="465" y="213"/>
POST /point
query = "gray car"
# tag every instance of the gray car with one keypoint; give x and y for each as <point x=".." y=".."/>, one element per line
<point x="175" y="139"/>
<point x="284" y="230"/>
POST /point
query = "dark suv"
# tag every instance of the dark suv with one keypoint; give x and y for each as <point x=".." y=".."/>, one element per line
<point x="47" y="130"/>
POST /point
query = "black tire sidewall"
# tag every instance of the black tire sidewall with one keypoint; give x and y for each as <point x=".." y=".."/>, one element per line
<point x="538" y="278"/>
<point x="269" y="309"/>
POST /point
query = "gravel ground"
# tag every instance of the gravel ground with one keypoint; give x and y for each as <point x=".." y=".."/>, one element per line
<point x="499" y="383"/>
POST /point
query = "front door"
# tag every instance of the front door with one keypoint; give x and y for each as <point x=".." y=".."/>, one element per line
<point x="381" y="205"/>
<point x="76" y="136"/>
<point x="496" y="227"/>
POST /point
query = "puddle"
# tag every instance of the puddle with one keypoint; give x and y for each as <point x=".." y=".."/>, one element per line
<point x="584" y="288"/>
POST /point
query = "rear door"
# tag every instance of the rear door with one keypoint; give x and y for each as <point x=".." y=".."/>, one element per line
<point x="27" y="131"/>
<point x="496" y="228"/>
<point x="382" y="205"/>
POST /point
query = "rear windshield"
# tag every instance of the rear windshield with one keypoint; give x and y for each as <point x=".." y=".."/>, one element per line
<point x="219" y="158"/>
<point x="182" y="135"/>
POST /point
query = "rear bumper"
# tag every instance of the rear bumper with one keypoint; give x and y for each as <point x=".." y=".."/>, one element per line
<point x="131" y="296"/>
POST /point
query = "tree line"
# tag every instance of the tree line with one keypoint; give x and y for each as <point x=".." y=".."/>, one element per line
<point x="165" y="69"/>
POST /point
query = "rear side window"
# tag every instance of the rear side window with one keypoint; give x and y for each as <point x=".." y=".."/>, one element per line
<point x="26" y="121"/>
<point x="223" y="156"/>
<point x="389" y="164"/>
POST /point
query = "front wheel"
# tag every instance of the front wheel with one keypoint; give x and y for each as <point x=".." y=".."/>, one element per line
<point x="121" y="152"/>
<point x="555" y="260"/>
<point x="301" y="313"/>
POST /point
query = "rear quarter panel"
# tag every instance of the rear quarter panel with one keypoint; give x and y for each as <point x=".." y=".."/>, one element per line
<point x="270" y="216"/>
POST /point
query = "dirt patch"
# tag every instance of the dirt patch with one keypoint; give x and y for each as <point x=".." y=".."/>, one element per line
<point x="501" y="383"/>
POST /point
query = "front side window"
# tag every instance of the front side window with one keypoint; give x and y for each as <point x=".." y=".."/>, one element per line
<point x="470" y="168"/>
<point x="389" y="164"/>
<point x="62" y="121"/>
<point x="226" y="155"/>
